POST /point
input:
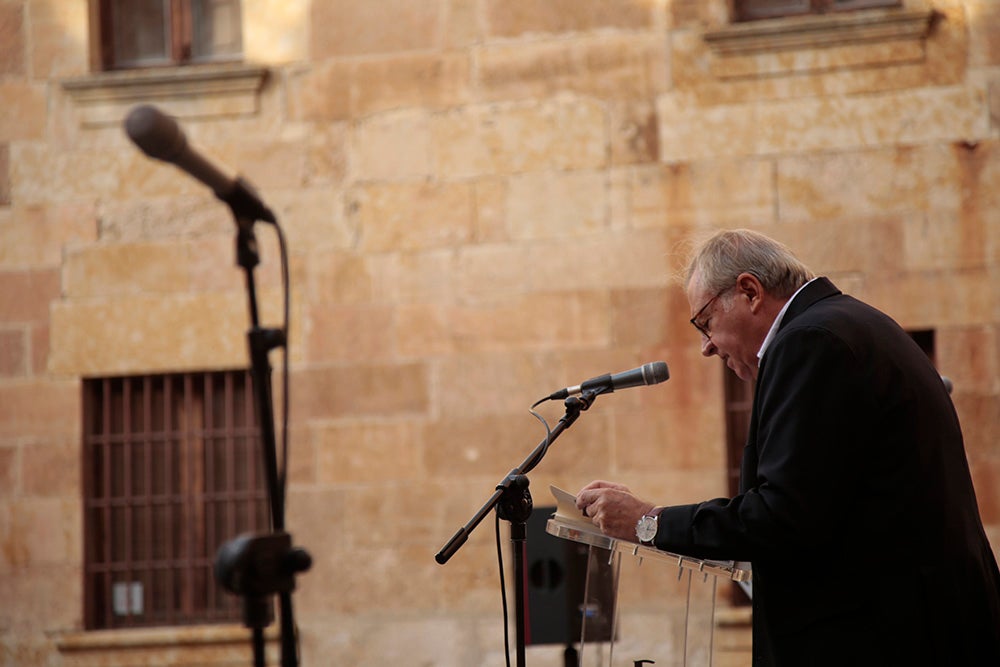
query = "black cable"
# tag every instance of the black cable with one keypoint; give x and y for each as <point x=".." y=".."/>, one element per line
<point x="503" y="593"/>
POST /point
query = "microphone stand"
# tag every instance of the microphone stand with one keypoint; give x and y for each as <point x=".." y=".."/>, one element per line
<point x="513" y="503"/>
<point x="257" y="567"/>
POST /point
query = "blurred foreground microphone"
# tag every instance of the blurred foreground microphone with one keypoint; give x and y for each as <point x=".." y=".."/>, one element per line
<point x="160" y="137"/>
<point x="652" y="373"/>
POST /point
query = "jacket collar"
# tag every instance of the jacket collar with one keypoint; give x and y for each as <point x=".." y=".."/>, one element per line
<point x="817" y="290"/>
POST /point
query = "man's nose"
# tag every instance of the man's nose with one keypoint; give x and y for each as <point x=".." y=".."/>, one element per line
<point x="707" y="346"/>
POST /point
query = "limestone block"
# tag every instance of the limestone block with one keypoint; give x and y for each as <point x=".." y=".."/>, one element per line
<point x="511" y="380"/>
<point x="980" y="418"/>
<point x="42" y="531"/>
<point x="59" y="40"/>
<point x="10" y="476"/>
<point x="557" y="133"/>
<point x="986" y="479"/>
<point x="567" y="319"/>
<point x="4" y="174"/>
<point x="598" y="261"/>
<point x="368" y="452"/>
<point x="12" y="40"/>
<point x="551" y="205"/>
<point x="515" y="18"/>
<point x="983" y="19"/>
<point x="424" y="330"/>
<point x="41" y="173"/>
<point x="48" y="597"/>
<point x="491" y="197"/>
<point x="392" y="146"/>
<point x="163" y="217"/>
<point x="350" y="333"/>
<point x="382" y="26"/>
<point x="314" y="219"/>
<point x="337" y="277"/>
<point x="275" y="31"/>
<point x="605" y="66"/>
<point x="635" y="137"/>
<point x="360" y="389"/>
<point x="463" y="27"/>
<point x="411" y="80"/>
<point x="36" y="236"/>
<point x="13" y="353"/>
<point x="690" y="132"/>
<point x="418" y="277"/>
<point x="37" y="408"/>
<point x="968" y="299"/>
<point x="26" y="295"/>
<point x="148" y="333"/>
<point x="970" y="356"/>
<point x="23" y="116"/>
<point x="725" y="192"/>
<point x="125" y="268"/>
<point x="411" y="217"/>
<point x="650" y="316"/>
<point x="51" y="469"/>
<point x="321" y="91"/>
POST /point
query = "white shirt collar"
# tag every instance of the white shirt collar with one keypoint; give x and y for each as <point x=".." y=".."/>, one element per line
<point x="773" y="331"/>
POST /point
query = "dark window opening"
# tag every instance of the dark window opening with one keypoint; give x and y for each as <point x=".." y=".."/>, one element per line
<point x="172" y="470"/>
<point x="751" y="10"/>
<point x="154" y="33"/>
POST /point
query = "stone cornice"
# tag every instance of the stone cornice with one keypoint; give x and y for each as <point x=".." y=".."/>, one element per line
<point x="190" y="91"/>
<point x="810" y="32"/>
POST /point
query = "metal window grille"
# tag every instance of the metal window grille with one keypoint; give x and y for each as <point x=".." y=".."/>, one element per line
<point x="151" y="33"/>
<point x="748" y="10"/>
<point x="172" y="470"/>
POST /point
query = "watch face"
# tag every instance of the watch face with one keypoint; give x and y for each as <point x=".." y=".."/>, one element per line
<point x="645" y="530"/>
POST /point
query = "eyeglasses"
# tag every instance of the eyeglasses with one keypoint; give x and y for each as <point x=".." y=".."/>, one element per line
<point x="702" y="326"/>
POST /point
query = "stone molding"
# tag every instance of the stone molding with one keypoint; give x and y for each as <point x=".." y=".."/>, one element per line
<point x="820" y="31"/>
<point x="203" y="644"/>
<point x="193" y="91"/>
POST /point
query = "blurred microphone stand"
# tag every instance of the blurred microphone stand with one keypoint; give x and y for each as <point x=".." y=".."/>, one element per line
<point x="258" y="567"/>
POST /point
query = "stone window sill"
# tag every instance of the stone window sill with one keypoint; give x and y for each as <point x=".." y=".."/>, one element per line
<point x="203" y="645"/>
<point x="814" y="44"/>
<point x="194" y="91"/>
<point x="810" y="32"/>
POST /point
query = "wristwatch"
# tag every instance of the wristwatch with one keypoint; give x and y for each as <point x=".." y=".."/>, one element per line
<point x="645" y="529"/>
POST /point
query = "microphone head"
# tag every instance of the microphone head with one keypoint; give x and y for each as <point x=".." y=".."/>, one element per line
<point x="655" y="372"/>
<point x="157" y="134"/>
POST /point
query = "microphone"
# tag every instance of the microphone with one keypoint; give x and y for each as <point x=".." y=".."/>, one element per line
<point x="161" y="137"/>
<point x="652" y="373"/>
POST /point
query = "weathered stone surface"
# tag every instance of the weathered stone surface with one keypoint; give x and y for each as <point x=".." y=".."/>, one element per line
<point x="483" y="201"/>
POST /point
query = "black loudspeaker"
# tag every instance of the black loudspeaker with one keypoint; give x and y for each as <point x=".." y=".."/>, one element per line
<point x="556" y="571"/>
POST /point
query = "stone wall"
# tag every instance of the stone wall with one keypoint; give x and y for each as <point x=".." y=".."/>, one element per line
<point x="485" y="201"/>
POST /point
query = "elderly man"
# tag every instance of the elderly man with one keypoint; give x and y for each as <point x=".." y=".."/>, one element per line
<point x="856" y="506"/>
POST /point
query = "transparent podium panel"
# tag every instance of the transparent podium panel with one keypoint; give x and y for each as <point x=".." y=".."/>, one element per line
<point x="663" y="604"/>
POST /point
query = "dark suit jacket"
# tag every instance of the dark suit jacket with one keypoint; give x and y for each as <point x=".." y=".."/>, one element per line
<point x="856" y="508"/>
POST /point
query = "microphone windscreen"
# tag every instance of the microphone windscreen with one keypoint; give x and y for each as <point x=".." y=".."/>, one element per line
<point x="157" y="134"/>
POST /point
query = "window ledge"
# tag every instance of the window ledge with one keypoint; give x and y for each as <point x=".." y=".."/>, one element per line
<point x="189" y="91"/>
<point x="811" y="32"/>
<point x="193" y="643"/>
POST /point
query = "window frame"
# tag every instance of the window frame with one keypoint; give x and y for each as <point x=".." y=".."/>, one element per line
<point x="750" y="10"/>
<point x="179" y="25"/>
<point x="149" y="554"/>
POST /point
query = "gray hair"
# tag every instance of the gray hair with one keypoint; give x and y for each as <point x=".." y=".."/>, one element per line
<point x="728" y="253"/>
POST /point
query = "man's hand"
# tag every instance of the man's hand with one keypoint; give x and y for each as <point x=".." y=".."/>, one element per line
<point x="613" y="508"/>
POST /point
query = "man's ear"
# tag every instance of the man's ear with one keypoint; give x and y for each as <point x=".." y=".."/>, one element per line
<point x="749" y="287"/>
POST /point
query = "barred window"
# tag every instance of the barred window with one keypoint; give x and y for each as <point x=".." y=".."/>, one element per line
<point x="749" y="10"/>
<point x="150" y="33"/>
<point x="172" y="470"/>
